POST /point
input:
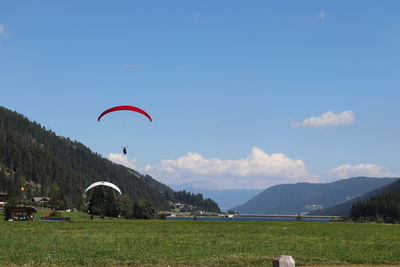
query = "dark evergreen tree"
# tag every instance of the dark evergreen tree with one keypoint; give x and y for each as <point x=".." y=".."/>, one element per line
<point x="124" y="206"/>
<point x="143" y="209"/>
<point x="103" y="202"/>
<point x="58" y="200"/>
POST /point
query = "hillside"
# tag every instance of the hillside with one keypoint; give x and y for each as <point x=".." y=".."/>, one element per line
<point x="45" y="164"/>
<point x="305" y="197"/>
<point x="345" y="208"/>
<point x="384" y="207"/>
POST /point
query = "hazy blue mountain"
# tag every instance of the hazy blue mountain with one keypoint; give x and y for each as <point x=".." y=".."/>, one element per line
<point x="345" y="208"/>
<point x="306" y="197"/>
<point x="226" y="199"/>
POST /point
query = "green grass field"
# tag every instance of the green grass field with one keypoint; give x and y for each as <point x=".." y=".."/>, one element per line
<point x="195" y="243"/>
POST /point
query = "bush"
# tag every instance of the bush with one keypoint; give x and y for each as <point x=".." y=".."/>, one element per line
<point x="55" y="213"/>
<point x="6" y="213"/>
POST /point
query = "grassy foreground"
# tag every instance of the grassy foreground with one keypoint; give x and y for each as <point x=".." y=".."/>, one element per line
<point x="195" y="243"/>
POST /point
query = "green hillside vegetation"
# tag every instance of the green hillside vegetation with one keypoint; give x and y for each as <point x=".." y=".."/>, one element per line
<point x="293" y="198"/>
<point x="381" y="208"/>
<point x="45" y="164"/>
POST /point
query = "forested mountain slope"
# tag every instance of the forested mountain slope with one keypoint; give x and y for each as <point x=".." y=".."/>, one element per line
<point x="45" y="164"/>
<point x="384" y="207"/>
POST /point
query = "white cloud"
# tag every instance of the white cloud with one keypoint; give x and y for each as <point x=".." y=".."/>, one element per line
<point x="327" y="119"/>
<point x="2" y="29"/>
<point x="258" y="170"/>
<point x="370" y="170"/>
<point x="122" y="159"/>
<point x="321" y="16"/>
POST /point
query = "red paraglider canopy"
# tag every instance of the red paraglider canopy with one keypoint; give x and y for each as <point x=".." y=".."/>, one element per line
<point x="131" y="108"/>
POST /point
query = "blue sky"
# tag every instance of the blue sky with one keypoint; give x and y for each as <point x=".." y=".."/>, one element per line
<point x="225" y="83"/>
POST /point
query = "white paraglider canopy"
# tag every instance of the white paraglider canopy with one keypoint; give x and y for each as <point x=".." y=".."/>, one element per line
<point x="104" y="184"/>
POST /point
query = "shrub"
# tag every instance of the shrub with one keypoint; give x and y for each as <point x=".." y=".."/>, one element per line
<point x="55" y="213"/>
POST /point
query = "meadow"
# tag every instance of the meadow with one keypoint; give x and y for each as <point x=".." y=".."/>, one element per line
<point x="195" y="243"/>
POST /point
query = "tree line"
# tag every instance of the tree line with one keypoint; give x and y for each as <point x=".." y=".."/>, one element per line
<point x="384" y="208"/>
<point x="105" y="202"/>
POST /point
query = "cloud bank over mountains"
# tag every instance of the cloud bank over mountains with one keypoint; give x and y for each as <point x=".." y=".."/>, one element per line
<point x="257" y="170"/>
<point x="369" y="170"/>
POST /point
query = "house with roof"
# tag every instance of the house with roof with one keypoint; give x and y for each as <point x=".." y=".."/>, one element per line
<point x="41" y="200"/>
<point x="20" y="213"/>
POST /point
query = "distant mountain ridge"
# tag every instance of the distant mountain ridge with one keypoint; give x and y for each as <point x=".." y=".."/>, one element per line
<point x="304" y="197"/>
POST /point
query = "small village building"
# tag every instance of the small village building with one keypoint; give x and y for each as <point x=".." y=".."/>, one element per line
<point x="41" y="200"/>
<point x="3" y="199"/>
<point x="313" y="207"/>
<point x="21" y="213"/>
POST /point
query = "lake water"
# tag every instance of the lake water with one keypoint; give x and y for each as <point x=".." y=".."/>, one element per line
<point x="246" y="219"/>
